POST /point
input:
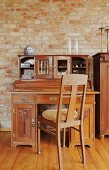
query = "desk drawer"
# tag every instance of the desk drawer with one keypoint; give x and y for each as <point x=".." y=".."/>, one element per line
<point x="47" y="99"/>
<point x="24" y="98"/>
<point x="89" y="99"/>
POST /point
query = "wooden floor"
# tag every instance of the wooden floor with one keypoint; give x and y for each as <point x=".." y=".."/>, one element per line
<point x="24" y="157"/>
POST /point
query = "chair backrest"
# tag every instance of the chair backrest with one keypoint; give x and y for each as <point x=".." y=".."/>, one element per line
<point x="73" y="86"/>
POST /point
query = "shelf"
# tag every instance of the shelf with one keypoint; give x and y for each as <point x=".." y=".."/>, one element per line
<point x="62" y="67"/>
<point x="78" y="67"/>
<point x="27" y="67"/>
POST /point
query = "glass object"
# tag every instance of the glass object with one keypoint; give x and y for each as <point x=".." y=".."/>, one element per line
<point x="28" y="50"/>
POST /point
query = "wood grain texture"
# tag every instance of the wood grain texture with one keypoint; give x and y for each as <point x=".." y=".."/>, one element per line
<point x="25" y="158"/>
<point x="101" y="84"/>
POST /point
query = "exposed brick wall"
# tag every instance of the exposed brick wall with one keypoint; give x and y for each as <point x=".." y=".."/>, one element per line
<point x="46" y="25"/>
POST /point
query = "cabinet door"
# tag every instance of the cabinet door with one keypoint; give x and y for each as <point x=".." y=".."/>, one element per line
<point x="61" y="66"/>
<point x="23" y="124"/>
<point x="43" y="66"/>
<point x="89" y="128"/>
<point x="104" y="98"/>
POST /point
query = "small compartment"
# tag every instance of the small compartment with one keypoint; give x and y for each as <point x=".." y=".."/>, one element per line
<point x="78" y="65"/>
<point x="26" y="65"/>
<point x="62" y="67"/>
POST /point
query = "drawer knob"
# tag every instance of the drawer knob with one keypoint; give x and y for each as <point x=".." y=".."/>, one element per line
<point x="23" y="98"/>
<point x="53" y="98"/>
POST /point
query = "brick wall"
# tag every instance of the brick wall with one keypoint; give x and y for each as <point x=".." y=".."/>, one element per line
<point x="46" y="25"/>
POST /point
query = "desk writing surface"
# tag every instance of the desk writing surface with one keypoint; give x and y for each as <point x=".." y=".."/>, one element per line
<point x="48" y="92"/>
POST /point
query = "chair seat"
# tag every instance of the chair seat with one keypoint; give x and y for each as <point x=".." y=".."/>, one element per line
<point x="50" y="114"/>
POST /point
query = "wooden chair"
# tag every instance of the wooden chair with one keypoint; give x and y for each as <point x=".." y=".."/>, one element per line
<point x="69" y="117"/>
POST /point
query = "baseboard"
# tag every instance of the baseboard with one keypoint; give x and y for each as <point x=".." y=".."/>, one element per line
<point x="5" y="129"/>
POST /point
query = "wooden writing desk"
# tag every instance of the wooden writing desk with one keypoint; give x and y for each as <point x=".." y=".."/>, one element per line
<point x="26" y="96"/>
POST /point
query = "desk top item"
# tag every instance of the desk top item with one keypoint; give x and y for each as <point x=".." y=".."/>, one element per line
<point x="29" y="50"/>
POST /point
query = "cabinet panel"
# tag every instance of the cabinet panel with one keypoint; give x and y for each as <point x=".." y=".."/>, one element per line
<point x="89" y="128"/>
<point x="44" y="67"/>
<point x="101" y="83"/>
<point x="104" y="96"/>
<point x="23" y="124"/>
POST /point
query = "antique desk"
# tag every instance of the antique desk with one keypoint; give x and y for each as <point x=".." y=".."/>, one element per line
<point x="26" y="98"/>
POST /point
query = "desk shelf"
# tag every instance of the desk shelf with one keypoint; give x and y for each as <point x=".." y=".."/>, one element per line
<point x="51" y="66"/>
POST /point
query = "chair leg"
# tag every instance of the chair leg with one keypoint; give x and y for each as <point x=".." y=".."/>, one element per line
<point x="58" y="141"/>
<point x="64" y="136"/>
<point x="38" y="138"/>
<point x="82" y="144"/>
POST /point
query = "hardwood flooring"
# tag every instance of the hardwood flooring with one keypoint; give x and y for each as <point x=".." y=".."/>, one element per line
<point x="25" y="158"/>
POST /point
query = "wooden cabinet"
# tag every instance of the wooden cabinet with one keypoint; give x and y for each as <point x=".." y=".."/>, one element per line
<point x="51" y="66"/>
<point x="101" y="84"/>
<point x="23" y="120"/>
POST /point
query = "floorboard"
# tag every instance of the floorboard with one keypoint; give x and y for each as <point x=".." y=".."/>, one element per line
<point x="25" y="158"/>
